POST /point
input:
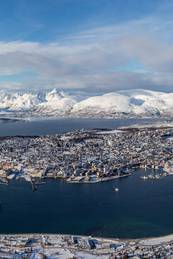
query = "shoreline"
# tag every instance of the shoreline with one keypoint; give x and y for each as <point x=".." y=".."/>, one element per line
<point x="105" y="179"/>
<point x="157" y="239"/>
<point x="78" y="246"/>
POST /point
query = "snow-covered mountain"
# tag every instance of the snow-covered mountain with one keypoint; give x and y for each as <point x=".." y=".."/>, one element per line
<point x="132" y="102"/>
<point x="114" y="104"/>
<point x="56" y="103"/>
<point x="18" y="101"/>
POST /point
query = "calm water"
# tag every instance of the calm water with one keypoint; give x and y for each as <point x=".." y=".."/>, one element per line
<point x="52" y="126"/>
<point x="139" y="209"/>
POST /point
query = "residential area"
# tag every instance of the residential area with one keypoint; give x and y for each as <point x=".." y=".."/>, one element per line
<point x="87" y="156"/>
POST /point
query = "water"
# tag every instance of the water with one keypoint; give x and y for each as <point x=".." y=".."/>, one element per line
<point x="139" y="209"/>
<point x="52" y="126"/>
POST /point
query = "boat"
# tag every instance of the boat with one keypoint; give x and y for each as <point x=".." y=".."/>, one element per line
<point x="150" y="176"/>
<point x="144" y="177"/>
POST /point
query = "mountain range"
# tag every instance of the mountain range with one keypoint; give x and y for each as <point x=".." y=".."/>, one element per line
<point x="135" y="103"/>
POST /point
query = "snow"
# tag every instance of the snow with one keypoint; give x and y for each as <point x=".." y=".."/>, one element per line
<point x="111" y="102"/>
<point x="57" y="102"/>
<point x="131" y="102"/>
<point x="18" y="101"/>
<point x="156" y="241"/>
<point x="137" y="102"/>
<point x="83" y="255"/>
<point x="109" y="132"/>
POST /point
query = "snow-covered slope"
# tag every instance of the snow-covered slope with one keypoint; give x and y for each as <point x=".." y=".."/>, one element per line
<point x="54" y="103"/>
<point x="134" y="102"/>
<point x="18" y="101"/>
<point x="108" y="103"/>
<point x="150" y="102"/>
<point x="51" y="103"/>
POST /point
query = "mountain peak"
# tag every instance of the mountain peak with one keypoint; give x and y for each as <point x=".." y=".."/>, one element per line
<point x="131" y="102"/>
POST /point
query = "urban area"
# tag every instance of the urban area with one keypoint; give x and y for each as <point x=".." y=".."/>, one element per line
<point x="37" y="246"/>
<point x="87" y="156"/>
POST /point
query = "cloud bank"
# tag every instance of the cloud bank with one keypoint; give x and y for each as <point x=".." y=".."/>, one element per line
<point x="135" y="54"/>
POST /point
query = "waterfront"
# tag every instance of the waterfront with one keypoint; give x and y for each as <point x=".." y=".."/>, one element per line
<point x="86" y="156"/>
<point x="44" y="246"/>
<point x="139" y="209"/>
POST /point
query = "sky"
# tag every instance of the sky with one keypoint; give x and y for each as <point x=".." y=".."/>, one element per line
<point x="86" y="45"/>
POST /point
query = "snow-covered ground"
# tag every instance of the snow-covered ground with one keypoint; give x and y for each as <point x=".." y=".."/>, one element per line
<point x="156" y="241"/>
<point x="115" y="104"/>
<point x="38" y="246"/>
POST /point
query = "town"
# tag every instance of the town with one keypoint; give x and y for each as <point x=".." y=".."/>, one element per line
<point x="40" y="246"/>
<point x="87" y="156"/>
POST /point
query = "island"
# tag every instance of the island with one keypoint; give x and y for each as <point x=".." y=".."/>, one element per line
<point x="87" y="156"/>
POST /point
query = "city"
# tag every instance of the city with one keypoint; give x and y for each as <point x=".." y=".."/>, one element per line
<point x="87" y="156"/>
<point x="86" y="129"/>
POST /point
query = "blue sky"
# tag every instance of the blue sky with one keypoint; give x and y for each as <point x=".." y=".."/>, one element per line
<point x="46" y="20"/>
<point x="95" y="45"/>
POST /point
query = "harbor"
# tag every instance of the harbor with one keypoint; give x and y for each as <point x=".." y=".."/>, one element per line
<point x="127" y="207"/>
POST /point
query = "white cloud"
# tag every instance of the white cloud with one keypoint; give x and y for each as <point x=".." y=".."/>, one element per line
<point x="96" y="58"/>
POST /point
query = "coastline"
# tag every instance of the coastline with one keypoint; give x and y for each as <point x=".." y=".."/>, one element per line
<point x="143" y="241"/>
<point x="42" y="246"/>
<point x="101" y="179"/>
